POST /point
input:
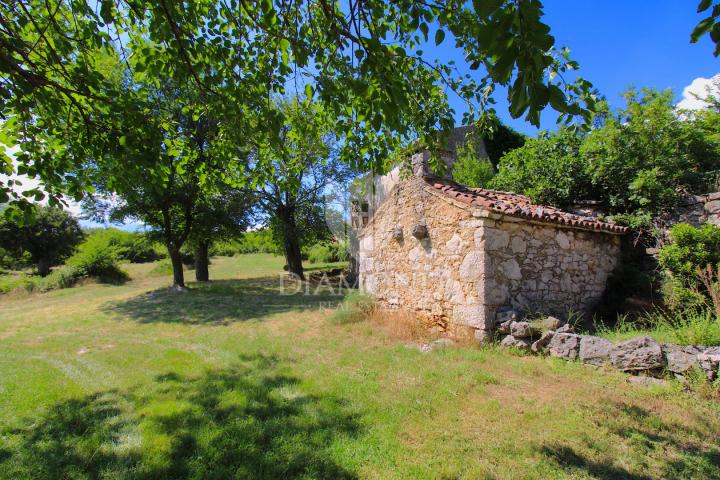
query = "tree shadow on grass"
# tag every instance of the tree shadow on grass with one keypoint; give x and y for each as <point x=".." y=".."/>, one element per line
<point x="573" y="462"/>
<point x="249" y="421"/>
<point x="222" y="302"/>
<point x="683" y="452"/>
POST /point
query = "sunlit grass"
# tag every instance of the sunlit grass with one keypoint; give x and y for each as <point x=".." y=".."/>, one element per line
<point x="240" y="379"/>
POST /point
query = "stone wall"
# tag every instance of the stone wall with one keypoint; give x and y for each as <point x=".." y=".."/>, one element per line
<point x="421" y="275"/>
<point x="545" y="268"/>
<point x="474" y="263"/>
<point x="696" y="210"/>
<point x="637" y="355"/>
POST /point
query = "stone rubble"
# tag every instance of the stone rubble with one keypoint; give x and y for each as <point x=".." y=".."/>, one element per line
<point x="641" y="355"/>
<point x="521" y="330"/>
<point x="710" y="364"/>
<point x="542" y="342"/>
<point x="564" y="345"/>
<point x="595" y="350"/>
<point x="680" y="359"/>
<point x="520" y="343"/>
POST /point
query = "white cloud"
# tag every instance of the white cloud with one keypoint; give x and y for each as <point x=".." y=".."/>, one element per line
<point x="700" y="87"/>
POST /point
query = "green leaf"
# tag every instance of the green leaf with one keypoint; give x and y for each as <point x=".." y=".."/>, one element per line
<point x="483" y="8"/>
<point x="122" y="140"/>
<point x="106" y="7"/>
<point x="424" y="30"/>
<point x="309" y="91"/>
<point x="701" y="29"/>
<point x="704" y="5"/>
<point x="439" y="36"/>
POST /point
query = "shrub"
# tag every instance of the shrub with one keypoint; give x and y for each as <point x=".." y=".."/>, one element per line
<point x="690" y="248"/>
<point x="471" y="170"/>
<point x="224" y="248"/>
<point x="96" y="259"/>
<point x="685" y="261"/>
<point x="259" y="241"/>
<point x="327" y="252"/>
<point x="130" y="246"/>
<point x="643" y="157"/>
<point x="163" y="267"/>
<point x="548" y="169"/>
<point x="63" y="277"/>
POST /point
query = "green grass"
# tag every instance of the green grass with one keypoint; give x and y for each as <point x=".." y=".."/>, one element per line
<point x="235" y="379"/>
<point x="692" y="327"/>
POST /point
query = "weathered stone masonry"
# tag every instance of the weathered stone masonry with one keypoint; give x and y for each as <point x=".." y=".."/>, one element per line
<point x="476" y="262"/>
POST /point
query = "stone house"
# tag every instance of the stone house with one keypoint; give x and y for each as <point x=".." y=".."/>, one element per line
<point x="460" y="257"/>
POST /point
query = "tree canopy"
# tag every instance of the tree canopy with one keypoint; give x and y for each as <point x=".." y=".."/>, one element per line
<point x="363" y="60"/>
<point x="296" y="174"/>
<point x="638" y="161"/>
<point x="49" y="238"/>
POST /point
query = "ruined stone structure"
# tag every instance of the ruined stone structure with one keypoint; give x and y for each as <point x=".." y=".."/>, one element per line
<point x="460" y="256"/>
<point x="696" y="210"/>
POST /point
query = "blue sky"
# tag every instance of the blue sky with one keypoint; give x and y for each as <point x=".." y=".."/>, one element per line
<point x="619" y="43"/>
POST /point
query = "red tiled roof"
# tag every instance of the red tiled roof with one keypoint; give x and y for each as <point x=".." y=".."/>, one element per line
<point x="516" y="205"/>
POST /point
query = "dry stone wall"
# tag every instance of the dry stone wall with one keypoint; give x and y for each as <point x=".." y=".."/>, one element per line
<point x="546" y="268"/>
<point x="696" y="210"/>
<point x="636" y="355"/>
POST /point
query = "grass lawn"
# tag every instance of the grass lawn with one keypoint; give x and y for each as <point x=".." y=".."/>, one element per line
<point x="236" y="380"/>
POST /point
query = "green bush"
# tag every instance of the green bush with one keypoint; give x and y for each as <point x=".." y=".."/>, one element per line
<point x="163" y="267"/>
<point x="471" y="170"/>
<point x="327" y="252"/>
<point x="642" y="158"/>
<point x="63" y="277"/>
<point x="636" y="162"/>
<point x="97" y="259"/>
<point x="226" y="248"/>
<point x="129" y="246"/>
<point x="259" y="241"/>
<point x="548" y="169"/>
<point x="690" y="248"/>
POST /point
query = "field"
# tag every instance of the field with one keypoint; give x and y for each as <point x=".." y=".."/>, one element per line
<point x="235" y="379"/>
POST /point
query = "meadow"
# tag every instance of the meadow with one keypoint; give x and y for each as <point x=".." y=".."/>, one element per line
<point x="242" y="378"/>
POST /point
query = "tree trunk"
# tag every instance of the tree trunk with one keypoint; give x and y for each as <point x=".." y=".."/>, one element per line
<point x="177" y="266"/>
<point x="201" y="262"/>
<point x="291" y="244"/>
<point x="43" y="266"/>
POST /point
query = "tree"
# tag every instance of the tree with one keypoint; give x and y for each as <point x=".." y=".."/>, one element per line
<point x="500" y="140"/>
<point x="548" y="169"/>
<point x="168" y="165"/>
<point x="638" y="161"/>
<point x="708" y="25"/>
<point x="644" y="157"/>
<point x="297" y="172"/>
<point x="49" y="239"/>
<point x="363" y="60"/>
<point x="222" y="215"/>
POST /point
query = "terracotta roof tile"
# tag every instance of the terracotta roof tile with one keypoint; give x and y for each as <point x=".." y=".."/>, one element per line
<point x="516" y="205"/>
